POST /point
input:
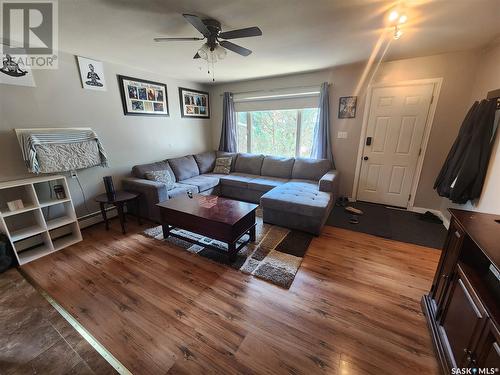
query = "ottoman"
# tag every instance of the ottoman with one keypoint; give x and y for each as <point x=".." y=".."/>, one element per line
<point x="298" y="205"/>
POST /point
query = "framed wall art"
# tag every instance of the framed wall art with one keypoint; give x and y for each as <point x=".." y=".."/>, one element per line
<point x="194" y="103"/>
<point x="14" y="72"/>
<point x="143" y="98"/>
<point x="347" y="106"/>
<point x="91" y="74"/>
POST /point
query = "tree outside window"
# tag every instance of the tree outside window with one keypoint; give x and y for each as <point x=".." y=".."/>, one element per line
<point x="241" y="131"/>
<point x="278" y="132"/>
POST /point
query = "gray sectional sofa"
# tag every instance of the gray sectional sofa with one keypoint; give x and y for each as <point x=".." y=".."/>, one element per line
<point x="297" y="193"/>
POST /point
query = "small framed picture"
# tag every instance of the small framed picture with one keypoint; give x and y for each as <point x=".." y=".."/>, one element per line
<point x="143" y="98"/>
<point x="14" y="72"/>
<point x="91" y="74"/>
<point x="347" y="106"/>
<point x="15" y="205"/>
<point x="194" y="103"/>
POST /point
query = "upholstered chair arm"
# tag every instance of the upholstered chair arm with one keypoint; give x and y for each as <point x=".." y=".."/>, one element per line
<point x="329" y="182"/>
<point x="151" y="193"/>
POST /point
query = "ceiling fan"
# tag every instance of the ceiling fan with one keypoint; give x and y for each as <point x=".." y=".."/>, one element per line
<point x="214" y="48"/>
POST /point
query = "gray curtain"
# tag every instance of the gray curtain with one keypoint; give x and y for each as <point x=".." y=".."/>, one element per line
<point x="322" y="146"/>
<point x="228" y="132"/>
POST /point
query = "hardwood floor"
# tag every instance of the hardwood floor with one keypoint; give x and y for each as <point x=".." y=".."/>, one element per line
<point x="354" y="307"/>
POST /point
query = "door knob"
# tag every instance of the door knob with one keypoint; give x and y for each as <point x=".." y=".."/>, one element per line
<point x="365" y="158"/>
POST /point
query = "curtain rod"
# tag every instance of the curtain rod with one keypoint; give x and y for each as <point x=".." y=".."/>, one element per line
<point x="277" y="89"/>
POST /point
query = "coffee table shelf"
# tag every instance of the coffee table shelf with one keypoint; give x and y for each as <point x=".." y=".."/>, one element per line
<point x="218" y="218"/>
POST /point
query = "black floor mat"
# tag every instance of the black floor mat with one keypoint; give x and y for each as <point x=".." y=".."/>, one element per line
<point x="399" y="225"/>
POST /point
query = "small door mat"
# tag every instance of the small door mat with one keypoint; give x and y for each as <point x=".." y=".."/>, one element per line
<point x="395" y="224"/>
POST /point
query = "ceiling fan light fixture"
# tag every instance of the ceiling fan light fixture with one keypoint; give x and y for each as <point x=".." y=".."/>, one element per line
<point x="204" y="51"/>
<point x="216" y="47"/>
<point x="211" y="56"/>
<point x="220" y="52"/>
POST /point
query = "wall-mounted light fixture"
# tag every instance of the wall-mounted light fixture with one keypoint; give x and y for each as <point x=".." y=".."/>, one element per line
<point x="396" y="19"/>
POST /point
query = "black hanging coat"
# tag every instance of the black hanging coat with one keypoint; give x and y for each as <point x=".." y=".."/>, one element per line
<point x="456" y="154"/>
<point x="462" y="177"/>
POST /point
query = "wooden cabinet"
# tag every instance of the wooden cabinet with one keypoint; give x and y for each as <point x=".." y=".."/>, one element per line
<point x="462" y="307"/>
<point x="488" y="348"/>
<point x="447" y="263"/>
<point x="462" y="320"/>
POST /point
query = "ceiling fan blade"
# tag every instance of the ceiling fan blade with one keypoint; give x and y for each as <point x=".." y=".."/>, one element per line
<point x="197" y="56"/>
<point x="197" y="23"/>
<point x="235" y="48"/>
<point x="162" y="39"/>
<point x="241" y="33"/>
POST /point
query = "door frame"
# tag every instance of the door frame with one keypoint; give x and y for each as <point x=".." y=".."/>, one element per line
<point x="425" y="140"/>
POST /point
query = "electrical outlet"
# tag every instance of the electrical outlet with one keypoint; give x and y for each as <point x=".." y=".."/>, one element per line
<point x="73" y="174"/>
<point x="342" y="135"/>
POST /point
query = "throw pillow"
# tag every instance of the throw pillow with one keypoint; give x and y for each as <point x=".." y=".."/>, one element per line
<point x="223" y="165"/>
<point x="164" y="176"/>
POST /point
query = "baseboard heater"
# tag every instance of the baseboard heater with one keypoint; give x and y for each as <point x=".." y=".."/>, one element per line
<point x="96" y="217"/>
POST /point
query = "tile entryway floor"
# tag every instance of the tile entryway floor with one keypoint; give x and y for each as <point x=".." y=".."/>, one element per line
<point x="36" y="339"/>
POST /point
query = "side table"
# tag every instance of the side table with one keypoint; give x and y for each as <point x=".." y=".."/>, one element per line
<point x="121" y="198"/>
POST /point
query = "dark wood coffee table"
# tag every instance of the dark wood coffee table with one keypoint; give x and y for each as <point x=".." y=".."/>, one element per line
<point x="218" y="218"/>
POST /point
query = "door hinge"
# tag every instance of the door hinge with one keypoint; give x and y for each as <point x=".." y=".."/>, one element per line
<point x="409" y="196"/>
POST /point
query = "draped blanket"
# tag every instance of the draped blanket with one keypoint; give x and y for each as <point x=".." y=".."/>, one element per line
<point x="62" y="150"/>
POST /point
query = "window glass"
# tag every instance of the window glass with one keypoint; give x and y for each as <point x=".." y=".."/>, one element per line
<point x="241" y="131"/>
<point x="307" y="131"/>
<point x="276" y="132"/>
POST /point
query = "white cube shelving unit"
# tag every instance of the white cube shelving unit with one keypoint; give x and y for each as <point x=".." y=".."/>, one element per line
<point x="45" y="224"/>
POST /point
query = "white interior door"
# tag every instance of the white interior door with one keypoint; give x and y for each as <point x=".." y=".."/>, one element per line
<point x="396" y="124"/>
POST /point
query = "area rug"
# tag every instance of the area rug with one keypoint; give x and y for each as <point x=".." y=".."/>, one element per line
<point x="275" y="256"/>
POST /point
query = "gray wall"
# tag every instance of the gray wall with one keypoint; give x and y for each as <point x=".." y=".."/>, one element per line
<point x="456" y="69"/>
<point x="58" y="100"/>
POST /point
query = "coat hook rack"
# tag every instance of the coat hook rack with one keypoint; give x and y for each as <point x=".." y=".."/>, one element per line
<point x="494" y="94"/>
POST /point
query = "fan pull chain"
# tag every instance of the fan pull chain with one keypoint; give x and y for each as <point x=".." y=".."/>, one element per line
<point x="211" y="71"/>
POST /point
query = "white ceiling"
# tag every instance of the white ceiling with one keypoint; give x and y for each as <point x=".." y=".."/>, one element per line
<point x="298" y="35"/>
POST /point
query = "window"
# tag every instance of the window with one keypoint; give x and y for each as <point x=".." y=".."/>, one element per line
<point x="287" y="132"/>
<point x="241" y="130"/>
<point x="308" y="121"/>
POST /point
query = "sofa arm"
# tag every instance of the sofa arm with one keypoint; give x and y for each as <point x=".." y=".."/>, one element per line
<point x="151" y="193"/>
<point x="329" y="182"/>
